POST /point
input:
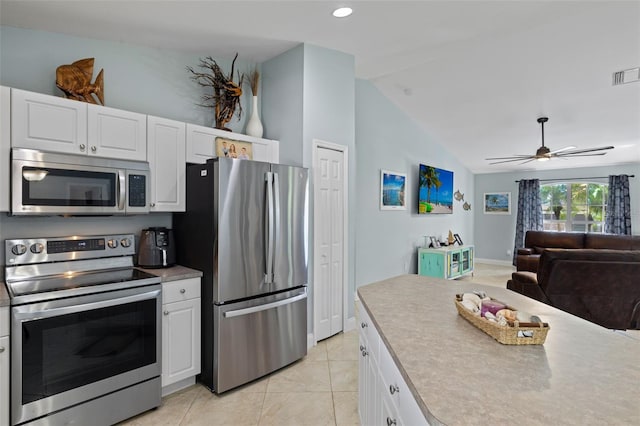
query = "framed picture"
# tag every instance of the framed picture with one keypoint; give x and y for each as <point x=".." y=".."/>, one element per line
<point x="435" y="190"/>
<point x="497" y="203"/>
<point x="458" y="239"/>
<point x="434" y="242"/>
<point x="233" y="148"/>
<point x="392" y="190"/>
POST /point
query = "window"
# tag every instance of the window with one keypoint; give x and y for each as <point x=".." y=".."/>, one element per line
<point x="574" y="206"/>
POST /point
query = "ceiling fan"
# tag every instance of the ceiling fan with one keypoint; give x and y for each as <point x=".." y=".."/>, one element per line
<point x="544" y="154"/>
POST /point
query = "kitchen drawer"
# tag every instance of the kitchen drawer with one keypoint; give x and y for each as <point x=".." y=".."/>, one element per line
<point x="4" y="321"/>
<point x="176" y="291"/>
<point x="370" y="333"/>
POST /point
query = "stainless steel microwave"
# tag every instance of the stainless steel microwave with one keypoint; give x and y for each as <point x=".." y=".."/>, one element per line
<point x="45" y="183"/>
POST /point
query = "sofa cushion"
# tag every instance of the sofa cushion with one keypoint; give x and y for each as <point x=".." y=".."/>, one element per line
<point x="612" y="241"/>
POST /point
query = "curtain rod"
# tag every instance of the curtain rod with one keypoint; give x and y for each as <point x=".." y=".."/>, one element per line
<point x="582" y="178"/>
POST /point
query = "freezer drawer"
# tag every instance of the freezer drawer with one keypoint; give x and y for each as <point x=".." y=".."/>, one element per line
<point x="258" y="336"/>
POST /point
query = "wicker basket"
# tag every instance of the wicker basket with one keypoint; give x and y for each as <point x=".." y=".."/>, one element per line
<point x="513" y="334"/>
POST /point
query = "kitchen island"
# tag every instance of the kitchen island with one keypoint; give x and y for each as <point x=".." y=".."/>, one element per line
<point x="458" y="375"/>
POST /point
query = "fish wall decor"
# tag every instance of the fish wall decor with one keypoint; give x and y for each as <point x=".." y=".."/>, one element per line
<point x="458" y="195"/>
<point x="466" y="206"/>
<point x="75" y="81"/>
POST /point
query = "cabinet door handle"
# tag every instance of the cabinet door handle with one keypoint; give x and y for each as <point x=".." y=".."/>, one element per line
<point x="390" y="421"/>
<point x="152" y="204"/>
<point x="363" y="325"/>
<point x="82" y="147"/>
<point x="362" y="348"/>
<point x="1" y="349"/>
<point x="393" y="389"/>
<point x="364" y="353"/>
<point x="182" y="290"/>
<point x="93" y="148"/>
<point x="166" y="312"/>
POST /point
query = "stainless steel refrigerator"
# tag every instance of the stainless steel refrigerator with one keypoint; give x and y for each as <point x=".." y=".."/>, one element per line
<point x="245" y="227"/>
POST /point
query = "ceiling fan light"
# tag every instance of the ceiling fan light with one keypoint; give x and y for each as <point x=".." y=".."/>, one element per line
<point x="543" y="158"/>
<point x="342" y="12"/>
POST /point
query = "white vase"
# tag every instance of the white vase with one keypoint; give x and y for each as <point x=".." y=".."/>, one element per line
<point x="254" y="126"/>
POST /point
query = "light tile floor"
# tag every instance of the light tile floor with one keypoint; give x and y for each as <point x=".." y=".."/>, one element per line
<point x="320" y="389"/>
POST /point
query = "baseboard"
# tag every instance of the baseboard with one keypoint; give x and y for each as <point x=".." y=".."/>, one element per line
<point x="494" y="262"/>
<point x="179" y="385"/>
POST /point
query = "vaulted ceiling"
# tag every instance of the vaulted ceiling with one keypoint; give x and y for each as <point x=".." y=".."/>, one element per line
<point x="475" y="75"/>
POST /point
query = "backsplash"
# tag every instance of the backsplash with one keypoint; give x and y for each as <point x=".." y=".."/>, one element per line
<point x="57" y="226"/>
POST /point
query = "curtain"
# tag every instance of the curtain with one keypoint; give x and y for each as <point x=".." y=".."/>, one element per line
<point x="529" y="212"/>
<point x="618" y="215"/>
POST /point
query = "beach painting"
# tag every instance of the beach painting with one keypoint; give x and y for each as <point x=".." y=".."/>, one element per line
<point x="392" y="190"/>
<point x="497" y="203"/>
<point x="435" y="193"/>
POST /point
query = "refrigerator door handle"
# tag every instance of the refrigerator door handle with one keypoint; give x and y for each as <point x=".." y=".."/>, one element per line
<point x="276" y="226"/>
<point x="259" y="308"/>
<point x="268" y="276"/>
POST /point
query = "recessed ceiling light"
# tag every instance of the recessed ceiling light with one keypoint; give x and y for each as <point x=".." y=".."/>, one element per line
<point x="342" y="12"/>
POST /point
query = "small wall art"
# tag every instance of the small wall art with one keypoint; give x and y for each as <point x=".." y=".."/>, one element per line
<point x="233" y="149"/>
<point x="497" y="203"/>
<point x="392" y="190"/>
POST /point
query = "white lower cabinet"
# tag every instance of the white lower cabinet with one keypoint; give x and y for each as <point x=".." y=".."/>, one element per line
<point x="180" y="334"/>
<point x="4" y="366"/>
<point x="383" y="396"/>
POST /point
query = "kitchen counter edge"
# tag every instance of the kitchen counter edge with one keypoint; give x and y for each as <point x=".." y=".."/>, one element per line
<point x="173" y="273"/>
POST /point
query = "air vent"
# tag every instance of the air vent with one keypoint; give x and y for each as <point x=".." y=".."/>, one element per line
<point x="626" y="76"/>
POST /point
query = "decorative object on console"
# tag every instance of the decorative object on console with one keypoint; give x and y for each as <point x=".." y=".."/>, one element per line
<point x="450" y="238"/>
<point x="497" y="203"/>
<point x="392" y="190"/>
<point x="226" y="92"/>
<point x="75" y="81"/>
<point x="434" y="242"/>
<point x="254" y="125"/>
<point x="233" y="148"/>
<point x="435" y="193"/>
<point x="458" y="239"/>
<point x="544" y="153"/>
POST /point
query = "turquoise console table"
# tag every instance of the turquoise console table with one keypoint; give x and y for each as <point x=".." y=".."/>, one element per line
<point x="445" y="262"/>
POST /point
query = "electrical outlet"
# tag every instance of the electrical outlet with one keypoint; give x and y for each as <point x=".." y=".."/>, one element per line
<point x="508" y="253"/>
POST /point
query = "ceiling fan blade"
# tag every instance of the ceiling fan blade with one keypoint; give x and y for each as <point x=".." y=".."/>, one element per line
<point x="507" y="158"/>
<point x="583" y="151"/>
<point x="563" y="149"/>
<point x="579" y="155"/>
<point x="528" y="158"/>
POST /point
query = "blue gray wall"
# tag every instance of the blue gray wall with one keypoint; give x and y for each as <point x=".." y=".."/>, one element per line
<point x="495" y="234"/>
<point x="386" y="241"/>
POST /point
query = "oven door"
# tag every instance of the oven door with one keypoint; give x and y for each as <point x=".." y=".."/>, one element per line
<point x="68" y="351"/>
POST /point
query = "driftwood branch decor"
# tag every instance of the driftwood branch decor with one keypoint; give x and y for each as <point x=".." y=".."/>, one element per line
<point x="226" y="93"/>
<point x="75" y="81"/>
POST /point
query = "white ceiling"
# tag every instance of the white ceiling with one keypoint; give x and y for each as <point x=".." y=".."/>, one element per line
<point x="474" y="74"/>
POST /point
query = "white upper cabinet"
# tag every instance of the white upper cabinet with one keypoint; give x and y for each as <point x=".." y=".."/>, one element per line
<point x="201" y="144"/>
<point x="116" y="133"/>
<point x="5" y="146"/>
<point x="56" y="124"/>
<point x="48" y="123"/>
<point x="166" y="156"/>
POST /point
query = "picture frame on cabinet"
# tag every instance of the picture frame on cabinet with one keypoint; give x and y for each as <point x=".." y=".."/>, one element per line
<point x="434" y="242"/>
<point x="458" y="239"/>
<point x="233" y="148"/>
<point x="497" y="203"/>
<point x="392" y="190"/>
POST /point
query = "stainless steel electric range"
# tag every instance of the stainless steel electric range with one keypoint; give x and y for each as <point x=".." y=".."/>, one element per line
<point x="85" y="330"/>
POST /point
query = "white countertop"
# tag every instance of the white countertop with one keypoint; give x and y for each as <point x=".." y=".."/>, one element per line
<point x="583" y="374"/>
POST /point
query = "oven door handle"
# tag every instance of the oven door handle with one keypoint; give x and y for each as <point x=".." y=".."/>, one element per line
<point x="69" y="306"/>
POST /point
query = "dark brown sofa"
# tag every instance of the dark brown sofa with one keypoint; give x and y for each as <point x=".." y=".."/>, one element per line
<point x="535" y="242"/>
<point x="599" y="285"/>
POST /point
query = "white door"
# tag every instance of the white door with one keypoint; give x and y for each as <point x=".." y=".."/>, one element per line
<point x="329" y="241"/>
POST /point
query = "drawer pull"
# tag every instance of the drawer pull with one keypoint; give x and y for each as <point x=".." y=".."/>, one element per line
<point x="390" y="421"/>
<point x="166" y="312"/>
<point x="364" y="353"/>
<point x="393" y="389"/>
<point x="1" y="349"/>
<point x="182" y="290"/>
<point x="362" y="348"/>
<point x="363" y="324"/>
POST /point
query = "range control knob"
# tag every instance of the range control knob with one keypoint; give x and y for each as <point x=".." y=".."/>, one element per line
<point x="125" y="242"/>
<point x="18" y="249"/>
<point x="112" y="243"/>
<point x="36" y="248"/>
